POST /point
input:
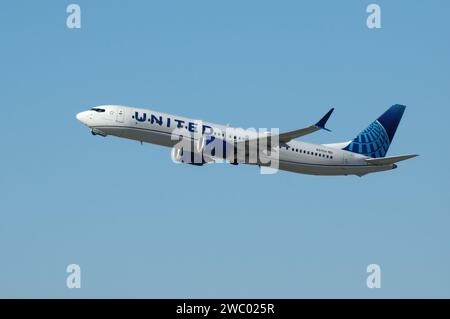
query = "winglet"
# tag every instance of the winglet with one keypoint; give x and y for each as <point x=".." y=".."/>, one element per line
<point x="323" y="120"/>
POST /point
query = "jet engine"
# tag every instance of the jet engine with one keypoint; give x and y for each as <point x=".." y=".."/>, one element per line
<point x="180" y="155"/>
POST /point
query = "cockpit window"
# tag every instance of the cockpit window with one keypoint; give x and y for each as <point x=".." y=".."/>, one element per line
<point x="98" y="110"/>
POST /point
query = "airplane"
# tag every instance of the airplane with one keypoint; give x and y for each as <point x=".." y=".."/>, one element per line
<point x="210" y="142"/>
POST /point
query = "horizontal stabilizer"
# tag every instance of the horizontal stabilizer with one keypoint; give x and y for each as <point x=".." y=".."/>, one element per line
<point x="389" y="160"/>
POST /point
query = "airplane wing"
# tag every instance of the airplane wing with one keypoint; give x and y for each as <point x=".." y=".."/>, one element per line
<point x="287" y="136"/>
<point x="389" y="160"/>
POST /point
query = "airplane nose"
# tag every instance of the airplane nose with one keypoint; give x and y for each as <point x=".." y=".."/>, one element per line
<point x="82" y="117"/>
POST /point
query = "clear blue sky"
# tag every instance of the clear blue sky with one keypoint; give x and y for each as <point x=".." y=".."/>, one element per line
<point x="141" y="226"/>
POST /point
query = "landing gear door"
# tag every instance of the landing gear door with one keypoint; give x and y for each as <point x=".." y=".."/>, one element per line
<point x="120" y="116"/>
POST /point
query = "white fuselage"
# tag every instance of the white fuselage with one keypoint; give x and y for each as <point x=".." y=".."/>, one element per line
<point x="158" y="128"/>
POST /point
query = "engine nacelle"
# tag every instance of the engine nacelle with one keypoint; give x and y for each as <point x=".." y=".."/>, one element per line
<point x="193" y="158"/>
